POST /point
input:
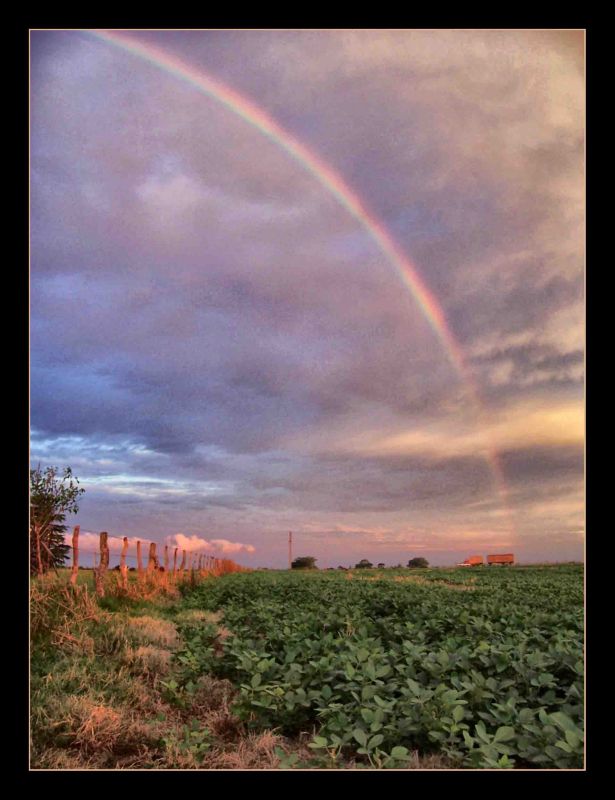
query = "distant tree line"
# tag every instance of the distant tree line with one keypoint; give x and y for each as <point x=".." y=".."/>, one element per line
<point x="309" y="562"/>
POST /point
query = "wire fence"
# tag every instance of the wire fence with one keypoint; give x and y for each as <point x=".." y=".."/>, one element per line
<point x="173" y="564"/>
<point x="132" y="556"/>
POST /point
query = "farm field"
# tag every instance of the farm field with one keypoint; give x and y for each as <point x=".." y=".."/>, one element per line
<point x="460" y="668"/>
<point x="485" y="668"/>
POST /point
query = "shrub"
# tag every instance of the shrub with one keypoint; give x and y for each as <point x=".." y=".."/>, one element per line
<point x="418" y="563"/>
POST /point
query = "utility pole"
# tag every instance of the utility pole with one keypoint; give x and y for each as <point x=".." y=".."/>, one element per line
<point x="290" y="550"/>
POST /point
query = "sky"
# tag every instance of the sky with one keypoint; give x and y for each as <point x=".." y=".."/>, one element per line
<point x="223" y="351"/>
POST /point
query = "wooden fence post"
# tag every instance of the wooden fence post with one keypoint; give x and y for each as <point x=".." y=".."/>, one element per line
<point x="75" y="571"/>
<point x="139" y="562"/>
<point x="99" y="574"/>
<point x="182" y="566"/>
<point x="152" y="561"/>
<point x="166" y="558"/>
<point x="174" y="561"/>
<point x="123" y="567"/>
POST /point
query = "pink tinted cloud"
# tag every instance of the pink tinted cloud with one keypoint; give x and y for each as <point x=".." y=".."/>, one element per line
<point x="194" y="542"/>
<point x="89" y="541"/>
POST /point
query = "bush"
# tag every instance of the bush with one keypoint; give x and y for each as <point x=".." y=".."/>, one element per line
<point x="304" y="562"/>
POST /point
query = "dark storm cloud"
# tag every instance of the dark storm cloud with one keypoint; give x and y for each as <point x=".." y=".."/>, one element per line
<point x="546" y="466"/>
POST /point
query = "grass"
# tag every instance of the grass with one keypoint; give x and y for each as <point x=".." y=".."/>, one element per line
<point x="100" y="698"/>
<point x="104" y="673"/>
<point x="98" y="695"/>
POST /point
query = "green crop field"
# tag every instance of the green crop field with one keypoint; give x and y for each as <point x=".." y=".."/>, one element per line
<point x="398" y="668"/>
<point x="481" y="666"/>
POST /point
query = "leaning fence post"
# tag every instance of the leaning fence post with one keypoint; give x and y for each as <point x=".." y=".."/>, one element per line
<point x="75" y="571"/>
<point x="123" y="568"/>
<point x="99" y="574"/>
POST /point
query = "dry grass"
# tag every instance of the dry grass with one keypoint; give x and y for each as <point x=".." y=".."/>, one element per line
<point x="62" y="614"/>
<point x="412" y="579"/>
<point x="152" y="630"/>
<point x="97" y="701"/>
<point x="150" y="661"/>
<point x="254" y="751"/>
<point x="85" y="725"/>
<point x="193" y="615"/>
<point x="151" y="587"/>
<point x="459" y="587"/>
<point x="212" y="694"/>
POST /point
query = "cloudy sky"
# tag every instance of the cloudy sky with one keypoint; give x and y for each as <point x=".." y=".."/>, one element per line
<point x="222" y="352"/>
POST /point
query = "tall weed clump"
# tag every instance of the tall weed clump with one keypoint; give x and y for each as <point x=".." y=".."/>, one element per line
<point x="61" y="615"/>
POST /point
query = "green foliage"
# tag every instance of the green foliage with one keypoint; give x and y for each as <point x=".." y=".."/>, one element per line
<point x="53" y="495"/>
<point x="491" y="677"/>
<point x="364" y="564"/>
<point x="418" y="563"/>
<point x="304" y="562"/>
<point x="193" y="738"/>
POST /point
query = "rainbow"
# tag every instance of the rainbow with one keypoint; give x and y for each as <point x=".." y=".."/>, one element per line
<point x="326" y="175"/>
<point x="333" y="182"/>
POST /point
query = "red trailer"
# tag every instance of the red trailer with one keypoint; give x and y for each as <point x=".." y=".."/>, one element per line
<point x="501" y="558"/>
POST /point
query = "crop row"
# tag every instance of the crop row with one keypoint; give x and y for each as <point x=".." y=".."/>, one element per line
<point x="491" y="676"/>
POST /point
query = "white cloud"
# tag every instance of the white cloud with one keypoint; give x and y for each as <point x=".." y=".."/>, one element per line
<point x="214" y="546"/>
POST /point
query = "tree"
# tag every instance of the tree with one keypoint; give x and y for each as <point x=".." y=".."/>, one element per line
<point x="417" y="563"/>
<point x="304" y="562"/>
<point x="381" y="565"/>
<point x="364" y="564"/>
<point x="53" y="495"/>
